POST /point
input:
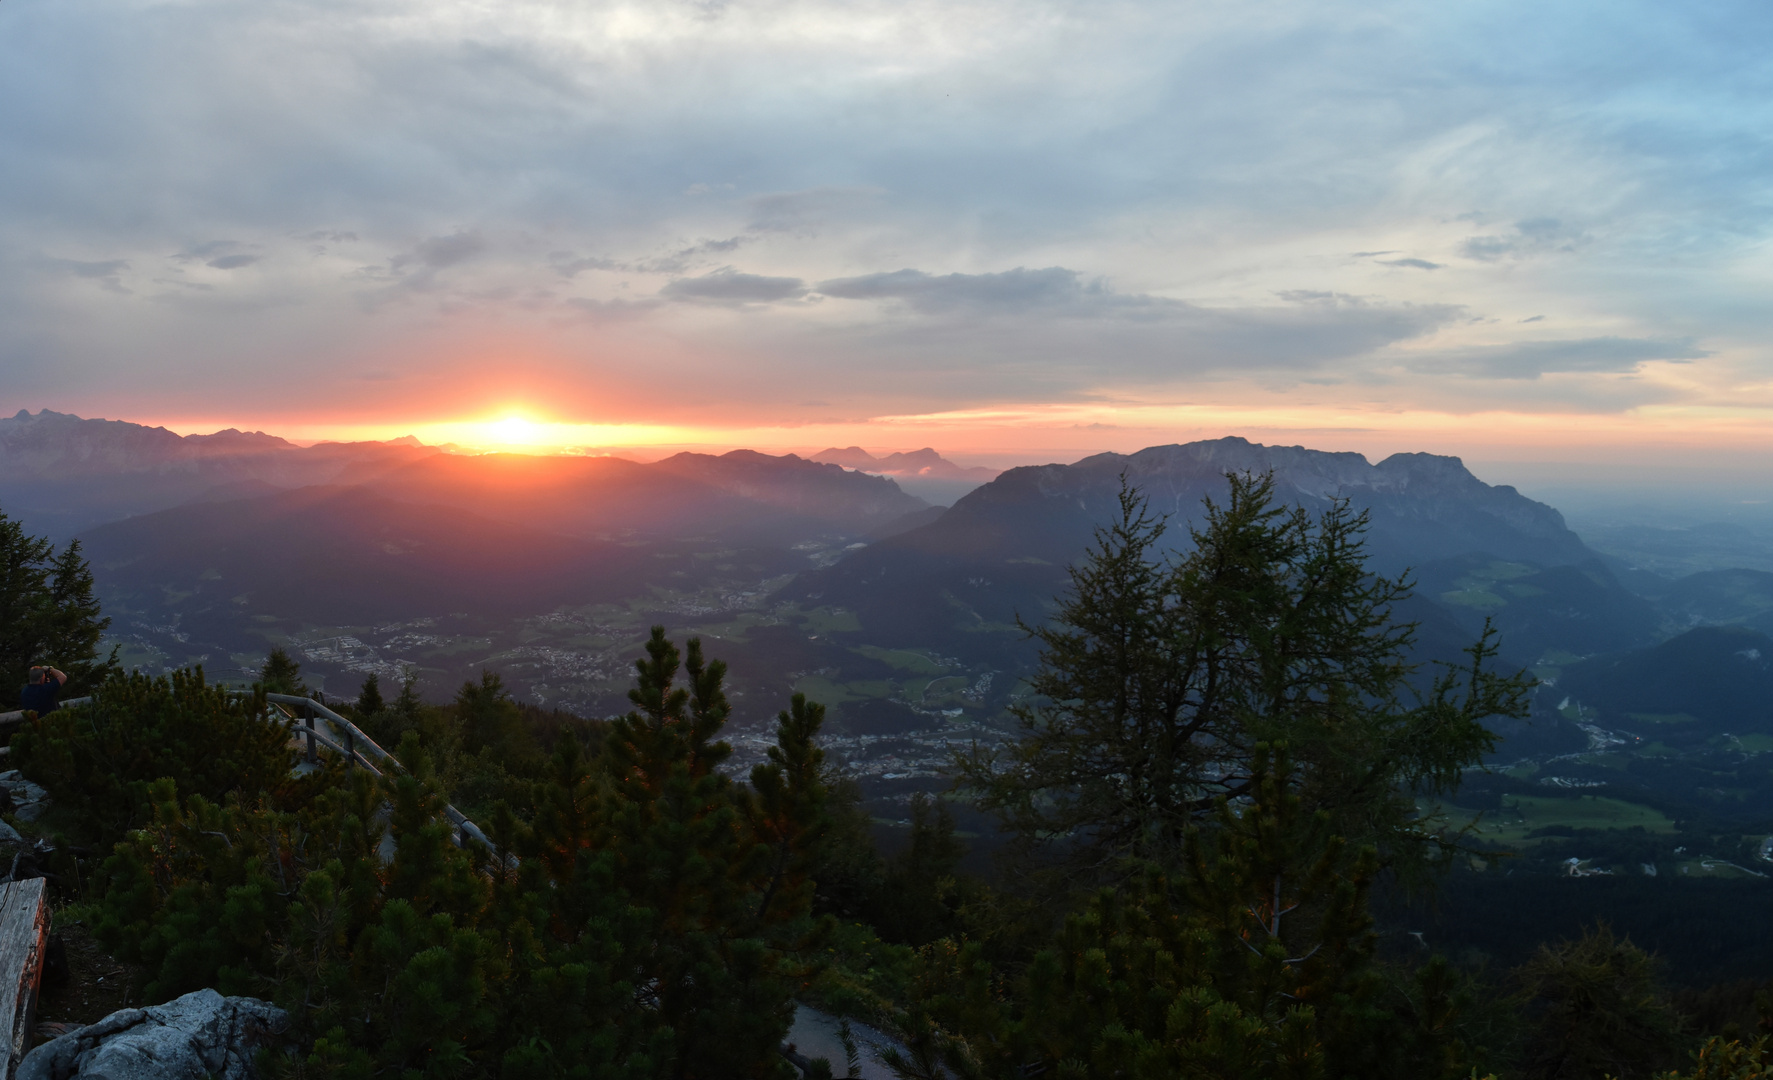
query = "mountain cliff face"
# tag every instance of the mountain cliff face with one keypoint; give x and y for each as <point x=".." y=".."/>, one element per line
<point x="1423" y="507"/>
<point x="1001" y="552"/>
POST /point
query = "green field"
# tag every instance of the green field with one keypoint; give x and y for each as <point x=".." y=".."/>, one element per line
<point x="1521" y="814"/>
<point x="1478" y="588"/>
<point x="903" y="659"/>
<point x="1663" y="718"/>
<point x="824" y="691"/>
<point x="832" y="621"/>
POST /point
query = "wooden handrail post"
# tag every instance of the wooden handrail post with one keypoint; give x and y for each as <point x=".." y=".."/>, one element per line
<point x="311" y="756"/>
<point x="350" y="750"/>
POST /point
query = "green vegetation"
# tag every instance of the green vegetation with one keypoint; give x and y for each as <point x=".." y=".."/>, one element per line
<point x="1482" y="588"/>
<point x="832" y="621"/>
<point x="1160" y="681"/>
<point x="916" y="663"/>
<point x="1220" y="775"/>
<point x="1523" y="818"/>
<point x="648" y="917"/>
<point x="48" y="614"/>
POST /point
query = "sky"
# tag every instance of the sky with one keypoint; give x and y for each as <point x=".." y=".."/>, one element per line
<point x="1522" y="233"/>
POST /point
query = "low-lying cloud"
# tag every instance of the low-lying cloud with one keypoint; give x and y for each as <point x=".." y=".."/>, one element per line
<point x="1529" y="237"/>
<point x="732" y="287"/>
<point x="1531" y="359"/>
<point x="1053" y="288"/>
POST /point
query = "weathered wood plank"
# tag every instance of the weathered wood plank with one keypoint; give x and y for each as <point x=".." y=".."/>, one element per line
<point x="24" y="932"/>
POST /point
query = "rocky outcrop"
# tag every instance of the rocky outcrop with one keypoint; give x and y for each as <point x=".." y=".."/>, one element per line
<point x="202" y="1034"/>
<point x="21" y="798"/>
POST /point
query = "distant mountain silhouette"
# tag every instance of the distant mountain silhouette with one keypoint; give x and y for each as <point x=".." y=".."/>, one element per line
<point x="925" y="462"/>
<point x="1002" y="551"/>
<point x="1705" y="682"/>
<point x="63" y="474"/>
<point x="807" y="488"/>
<point x="744" y="496"/>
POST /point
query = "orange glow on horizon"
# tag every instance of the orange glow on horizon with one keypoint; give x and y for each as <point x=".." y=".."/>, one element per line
<point x="1011" y="434"/>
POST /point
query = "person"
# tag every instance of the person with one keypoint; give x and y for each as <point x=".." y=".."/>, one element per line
<point x="40" y="694"/>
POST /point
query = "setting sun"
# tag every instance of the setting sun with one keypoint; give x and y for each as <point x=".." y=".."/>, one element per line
<point x="516" y="431"/>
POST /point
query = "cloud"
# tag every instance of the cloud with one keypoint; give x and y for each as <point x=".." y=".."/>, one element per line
<point x="1531" y="359"/>
<point x="617" y="310"/>
<point x="1054" y="288"/>
<point x="1530" y="237"/>
<point x="569" y="265"/>
<point x="1137" y="198"/>
<point x="809" y="210"/>
<point x="108" y="272"/>
<point x="438" y="252"/>
<point x="728" y="286"/>
<point x="1054" y="330"/>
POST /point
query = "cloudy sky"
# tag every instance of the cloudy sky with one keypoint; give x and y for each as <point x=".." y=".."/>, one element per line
<point x="1508" y="230"/>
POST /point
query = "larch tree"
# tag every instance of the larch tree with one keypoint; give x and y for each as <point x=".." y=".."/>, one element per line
<point x="1160" y="676"/>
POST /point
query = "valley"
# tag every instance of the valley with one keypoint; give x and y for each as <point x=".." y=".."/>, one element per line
<point x="1650" y="742"/>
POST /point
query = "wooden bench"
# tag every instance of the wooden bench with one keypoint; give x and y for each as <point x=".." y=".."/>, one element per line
<point x="24" y="934"/>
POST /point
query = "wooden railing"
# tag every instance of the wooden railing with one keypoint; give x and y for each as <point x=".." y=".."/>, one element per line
<point x="345" y="739"/>
<point x="349" y="742"/>
<point x="24" y="905"/>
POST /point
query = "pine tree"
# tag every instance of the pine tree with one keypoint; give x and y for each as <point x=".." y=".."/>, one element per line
<point x="678" y="847"/>
<point x="788" y="812"/>
<point x="282" y="675"/>
<point x="76" y="625"/>
<point x="48" y="614"/>
<point x="915" y="904"/>
<point x="369" y="698"/>
<point x="491" y="721"/>
<point x="100" y="760"/>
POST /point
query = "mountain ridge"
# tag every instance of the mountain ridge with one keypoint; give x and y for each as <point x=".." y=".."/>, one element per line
<point x="1001" y="552"/>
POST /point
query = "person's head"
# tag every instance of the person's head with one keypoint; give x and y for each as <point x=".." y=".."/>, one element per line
<point x="38" y="674"/>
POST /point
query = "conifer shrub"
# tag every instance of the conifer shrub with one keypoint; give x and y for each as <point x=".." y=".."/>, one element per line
<point x="100" y="759"/>
<point x="48" y="613"/>
<point x="650" y="917"/>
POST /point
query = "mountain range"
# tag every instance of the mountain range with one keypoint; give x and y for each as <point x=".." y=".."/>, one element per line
<point x="925" y="462"/>
<point x="1002" y="551"/>
<point x="242" y="537"/>
<point x="66" y="474"/>
<point x="924" y="472"/>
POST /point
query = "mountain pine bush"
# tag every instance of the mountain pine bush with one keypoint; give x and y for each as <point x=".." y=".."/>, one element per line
<point x="651" y="918"/>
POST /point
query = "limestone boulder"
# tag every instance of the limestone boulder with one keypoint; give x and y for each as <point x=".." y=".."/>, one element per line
<point x="200" y="1035"/>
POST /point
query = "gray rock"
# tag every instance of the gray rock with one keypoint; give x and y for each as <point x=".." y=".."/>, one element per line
<point x="29" y="800"/>
<point x="9" y="834"/>
<point x="200" y="1035"/>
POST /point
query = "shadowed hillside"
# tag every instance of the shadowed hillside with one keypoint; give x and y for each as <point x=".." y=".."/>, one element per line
<point x="348" y="555"/>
